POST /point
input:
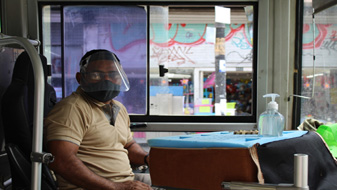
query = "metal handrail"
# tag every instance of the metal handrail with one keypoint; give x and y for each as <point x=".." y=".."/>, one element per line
<point x="39" y="82"/>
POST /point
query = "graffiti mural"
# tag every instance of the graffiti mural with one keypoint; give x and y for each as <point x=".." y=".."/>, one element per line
<point x="193" y="45"/>
<point x="239" y="44"/>
<point x="176" y="54"/>
<point x="324" y="38"/>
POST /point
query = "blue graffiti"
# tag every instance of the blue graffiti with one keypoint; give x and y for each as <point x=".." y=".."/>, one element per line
<point x="241" y="43"/>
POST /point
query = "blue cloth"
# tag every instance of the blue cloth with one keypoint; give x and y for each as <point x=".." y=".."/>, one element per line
<point x="223" y="139"/>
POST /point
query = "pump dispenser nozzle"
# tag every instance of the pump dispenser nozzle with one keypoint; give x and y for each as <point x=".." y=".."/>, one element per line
<point x="272" y="104"/>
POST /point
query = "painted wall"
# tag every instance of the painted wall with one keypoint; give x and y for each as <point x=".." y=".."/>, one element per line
<point x="325" y="42"/>
<point x="193" y="45"/>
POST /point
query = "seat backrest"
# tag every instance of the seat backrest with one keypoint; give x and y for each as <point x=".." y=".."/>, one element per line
<point x="18" y="112"/>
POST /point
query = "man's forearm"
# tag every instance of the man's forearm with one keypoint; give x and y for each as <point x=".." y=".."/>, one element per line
<point x="136" y="154"/>
<point x="78" y="174"/>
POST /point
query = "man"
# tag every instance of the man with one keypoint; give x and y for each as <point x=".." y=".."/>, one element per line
<point x="88" y="132"/>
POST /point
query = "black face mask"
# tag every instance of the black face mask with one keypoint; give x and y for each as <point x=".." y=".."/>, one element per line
<point x="102" y="91"/>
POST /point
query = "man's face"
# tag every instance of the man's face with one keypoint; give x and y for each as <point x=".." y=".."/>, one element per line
<point x="102" y="70"/>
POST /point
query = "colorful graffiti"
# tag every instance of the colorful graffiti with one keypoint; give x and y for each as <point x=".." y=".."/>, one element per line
<point x="239" y="43"/>
<point x="179" y="55"/>
<point x="321" y="31"/>
<point x="180" y="34"/>
<point x="126" y="35"/>
<point x="194" y="44"/>
<point x="324" y="38"/>
<point x="193" y="34"/>
<point x="246" y="40"/>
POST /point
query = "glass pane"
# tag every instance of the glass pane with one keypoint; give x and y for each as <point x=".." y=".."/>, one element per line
<point x="201" y="60"/>
<point x="209" y="60"/>
<point x="319" y="75"/>
<point x="51" y="29"/>
<point x="120" y="29"/>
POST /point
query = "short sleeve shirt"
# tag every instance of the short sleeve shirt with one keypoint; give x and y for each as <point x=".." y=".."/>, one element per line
<point x="79" y="119"/>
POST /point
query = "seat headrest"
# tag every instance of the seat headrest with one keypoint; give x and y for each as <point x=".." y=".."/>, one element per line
<point x="23" y="69"/>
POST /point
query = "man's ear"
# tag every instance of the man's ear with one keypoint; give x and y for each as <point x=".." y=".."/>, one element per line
<point x="78" y="77"/>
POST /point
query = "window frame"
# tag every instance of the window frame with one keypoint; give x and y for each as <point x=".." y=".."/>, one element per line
<point x="296" y="117"/>
<point x="181" y="123"/>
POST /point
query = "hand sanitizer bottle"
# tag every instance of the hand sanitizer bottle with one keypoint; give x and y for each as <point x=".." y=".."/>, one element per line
<point x="271" y="122"/>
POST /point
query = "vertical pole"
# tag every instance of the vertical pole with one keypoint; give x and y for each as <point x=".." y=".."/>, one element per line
<point x="220" y="64"/>
<point x="38" y="101"/>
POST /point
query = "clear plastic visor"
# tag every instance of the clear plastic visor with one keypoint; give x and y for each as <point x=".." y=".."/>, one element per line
<point x="102" y="71"/>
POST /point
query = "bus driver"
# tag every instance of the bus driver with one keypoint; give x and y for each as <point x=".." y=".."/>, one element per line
<point x="88" y="132"/>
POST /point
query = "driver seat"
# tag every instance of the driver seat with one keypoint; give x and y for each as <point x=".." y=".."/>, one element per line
<point x="17" y="113"/>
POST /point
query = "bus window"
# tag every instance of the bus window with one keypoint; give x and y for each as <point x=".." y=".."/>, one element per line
<point x="185" y="63"/>
<point x="319" y="75"/>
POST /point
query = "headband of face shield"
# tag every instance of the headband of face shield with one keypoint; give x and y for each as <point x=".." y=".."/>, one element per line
<point x="103" y="82"/>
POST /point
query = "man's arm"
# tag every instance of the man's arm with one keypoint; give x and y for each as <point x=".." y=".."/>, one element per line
<point x="71" y="168"/>
<point x="136" y="153"/>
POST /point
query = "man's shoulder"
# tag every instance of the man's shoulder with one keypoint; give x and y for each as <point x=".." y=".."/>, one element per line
<point x="73" y="105"/>
<point x="74" y="99"/>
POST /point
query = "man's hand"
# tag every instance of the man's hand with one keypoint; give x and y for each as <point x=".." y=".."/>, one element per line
<point x="132" y="185"/>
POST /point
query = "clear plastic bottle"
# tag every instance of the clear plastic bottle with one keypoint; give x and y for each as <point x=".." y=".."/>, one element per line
<point x="271" y="122"/>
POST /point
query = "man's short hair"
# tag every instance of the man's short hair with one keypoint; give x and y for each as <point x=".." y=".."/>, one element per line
<point x="104" y="55"/>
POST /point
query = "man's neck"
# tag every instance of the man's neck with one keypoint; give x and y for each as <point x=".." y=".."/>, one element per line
<point x="108" y="102"/>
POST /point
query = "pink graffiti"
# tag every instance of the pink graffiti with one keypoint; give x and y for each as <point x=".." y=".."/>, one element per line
<point x="126" y="46"/>
<point x="170" y="25"/>
<point x="178" y="55"/>
<point x="322" y="33"/>
<point x="233" y="31"/>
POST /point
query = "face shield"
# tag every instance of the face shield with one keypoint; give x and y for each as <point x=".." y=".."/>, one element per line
<point x="103" y="76"/>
